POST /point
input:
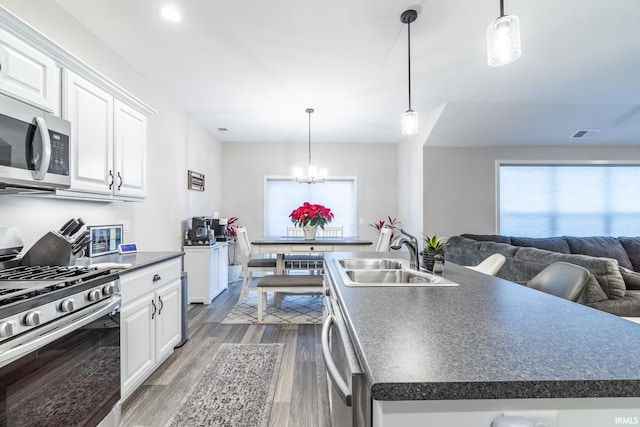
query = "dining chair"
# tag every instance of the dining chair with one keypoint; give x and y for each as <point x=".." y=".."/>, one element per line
<point x="490" y="265"/>
<point x="384" y="240"/>
<point x="561" y="279"/>
<point x="250" y="264"/>
<point x="335" y="231"/>
<point x="293" y="231"/>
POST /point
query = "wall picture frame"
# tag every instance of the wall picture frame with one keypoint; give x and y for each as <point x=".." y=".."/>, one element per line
<point x="195" y="181"/>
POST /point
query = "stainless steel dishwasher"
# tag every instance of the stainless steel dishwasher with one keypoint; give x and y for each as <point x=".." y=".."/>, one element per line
<point x="349" y="395"/>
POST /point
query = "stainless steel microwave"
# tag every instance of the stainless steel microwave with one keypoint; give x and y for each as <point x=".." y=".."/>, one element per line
<point x="34" y="148"/>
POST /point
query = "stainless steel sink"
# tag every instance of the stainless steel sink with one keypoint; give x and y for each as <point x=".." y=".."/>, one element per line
<point x="371" y="263"/>
<point x="362" y="272"/>
<point x="388" y="276"/>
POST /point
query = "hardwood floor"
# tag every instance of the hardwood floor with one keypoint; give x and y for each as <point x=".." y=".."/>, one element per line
<point x="301" y="393"/>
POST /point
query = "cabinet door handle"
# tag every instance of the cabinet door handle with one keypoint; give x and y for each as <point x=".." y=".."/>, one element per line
<point x="119" y="181"/>
<point x="161" y="305"/>
<point x="153" y="314"/>
<point x="110" y="179"/>
<point x="156" y="277"/>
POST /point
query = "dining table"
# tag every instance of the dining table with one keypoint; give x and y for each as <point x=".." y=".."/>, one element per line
<point x="281" y="245"/>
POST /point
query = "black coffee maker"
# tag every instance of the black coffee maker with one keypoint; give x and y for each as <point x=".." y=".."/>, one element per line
<point x="199" y="231"/>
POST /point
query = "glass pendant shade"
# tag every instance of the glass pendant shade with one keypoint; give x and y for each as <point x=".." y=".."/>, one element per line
<point x="503" y="40"/>
<point x="409" y="123"/>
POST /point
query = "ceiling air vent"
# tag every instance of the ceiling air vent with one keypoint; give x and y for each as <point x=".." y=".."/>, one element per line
<point x="224" y="130"/>
<point x="586" y="133"/>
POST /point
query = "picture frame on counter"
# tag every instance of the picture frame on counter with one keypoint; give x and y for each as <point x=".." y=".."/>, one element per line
<point x="195" y="181"/>
<point x="105" y="239"/>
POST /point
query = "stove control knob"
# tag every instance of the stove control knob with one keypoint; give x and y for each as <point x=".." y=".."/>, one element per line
<point x="7" y="328"/>
<point x="33" y="318"/>
<point x="67" y="305"/>
<point x="95" y="295"/>
<point x="108" y="290"/>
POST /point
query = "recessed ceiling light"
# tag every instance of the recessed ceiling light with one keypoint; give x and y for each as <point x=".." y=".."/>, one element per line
<point x="170" y="13"/>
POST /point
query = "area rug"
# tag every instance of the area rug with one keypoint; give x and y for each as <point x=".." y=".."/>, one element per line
<point x="295" y="309"/>
<point x="236" y="389"/>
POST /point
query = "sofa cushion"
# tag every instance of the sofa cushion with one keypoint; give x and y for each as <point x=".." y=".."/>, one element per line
<point x="553" y="244"/>
<point x="600" y="246"/>
<point x="631" y="278"/>
<point x="465" y="251"/>
<point x="604" y="270"/>
<point x="632" y="246"/>
<point x="488" y="238"/>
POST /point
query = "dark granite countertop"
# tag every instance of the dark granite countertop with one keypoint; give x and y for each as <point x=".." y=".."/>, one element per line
<point x="137" y="260"/>
<point x="485" y="339"/>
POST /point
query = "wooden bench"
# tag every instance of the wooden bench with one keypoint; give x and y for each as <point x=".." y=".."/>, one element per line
<point x="290" y="283"/>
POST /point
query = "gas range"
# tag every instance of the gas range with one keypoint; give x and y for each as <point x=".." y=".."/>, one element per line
<point x="34" y="296"/>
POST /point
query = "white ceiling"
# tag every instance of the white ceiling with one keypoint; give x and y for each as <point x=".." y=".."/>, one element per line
<point x="254" y="66"/>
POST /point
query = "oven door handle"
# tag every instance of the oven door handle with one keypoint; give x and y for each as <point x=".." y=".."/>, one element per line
<point x="49" y="337"/>
<point x="332" y="370"/>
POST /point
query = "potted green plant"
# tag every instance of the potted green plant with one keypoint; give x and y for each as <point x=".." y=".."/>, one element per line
<point x="432" y="246"/>
<point x="235" y="266"/>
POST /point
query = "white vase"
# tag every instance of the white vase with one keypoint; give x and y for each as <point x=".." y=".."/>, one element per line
<point x="310" y="232"/>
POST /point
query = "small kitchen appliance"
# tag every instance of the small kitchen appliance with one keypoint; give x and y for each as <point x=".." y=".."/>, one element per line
<point x="199" y="233"/>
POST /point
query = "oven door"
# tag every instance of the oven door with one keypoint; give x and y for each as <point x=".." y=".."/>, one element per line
<point x="65" y="374"/>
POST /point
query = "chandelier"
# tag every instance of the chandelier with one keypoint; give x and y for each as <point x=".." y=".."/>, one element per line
<point x="314" y="175"/>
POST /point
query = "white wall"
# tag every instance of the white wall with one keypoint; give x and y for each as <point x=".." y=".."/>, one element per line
<point x="460" y="187"/>
<point x="175" y="144"/>
<point x="246" y="165"/>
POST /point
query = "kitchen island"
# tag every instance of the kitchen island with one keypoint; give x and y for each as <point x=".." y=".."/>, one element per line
<point x="487" y="346"/>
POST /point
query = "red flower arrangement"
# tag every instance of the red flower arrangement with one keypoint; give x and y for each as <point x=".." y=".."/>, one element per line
<point x="311" y="214"/>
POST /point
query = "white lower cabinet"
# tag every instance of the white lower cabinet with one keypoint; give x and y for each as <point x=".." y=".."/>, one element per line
<point x="151" y="316"/>
<point x="207" y="270"/>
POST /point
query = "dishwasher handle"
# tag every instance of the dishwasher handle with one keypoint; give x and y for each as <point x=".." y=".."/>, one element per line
<point x="332" y="370"/>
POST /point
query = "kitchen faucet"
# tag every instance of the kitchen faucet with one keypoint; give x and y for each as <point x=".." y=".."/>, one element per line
<point x="412" y="245"/>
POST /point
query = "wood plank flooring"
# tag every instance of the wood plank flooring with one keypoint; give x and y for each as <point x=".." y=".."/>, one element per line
<point x="301" y="395"/>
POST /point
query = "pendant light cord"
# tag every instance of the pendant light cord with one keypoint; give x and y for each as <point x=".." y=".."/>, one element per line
<point x="409" y="58"/>
<point x="501" y="8"/>
<point x="309" y="110"/>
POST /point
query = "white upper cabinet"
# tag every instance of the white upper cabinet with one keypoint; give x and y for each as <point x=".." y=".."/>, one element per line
<point x="28" y="74"/>
<point x="90" y="111"/>
<point x="108" y="140"/>
<point x="130" y="172"/>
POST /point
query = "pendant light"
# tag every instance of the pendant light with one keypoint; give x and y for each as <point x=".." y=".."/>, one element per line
<point x="409" y="118"/>
<point x="503" y="39"/>
<point x="314" y="175"/>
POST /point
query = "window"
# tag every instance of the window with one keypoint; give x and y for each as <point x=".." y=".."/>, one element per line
<point x="576" y="200"/>
<point x="283" y="195"/>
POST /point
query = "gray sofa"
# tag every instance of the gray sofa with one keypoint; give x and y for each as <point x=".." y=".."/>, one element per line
<point x="614" y="263"/>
